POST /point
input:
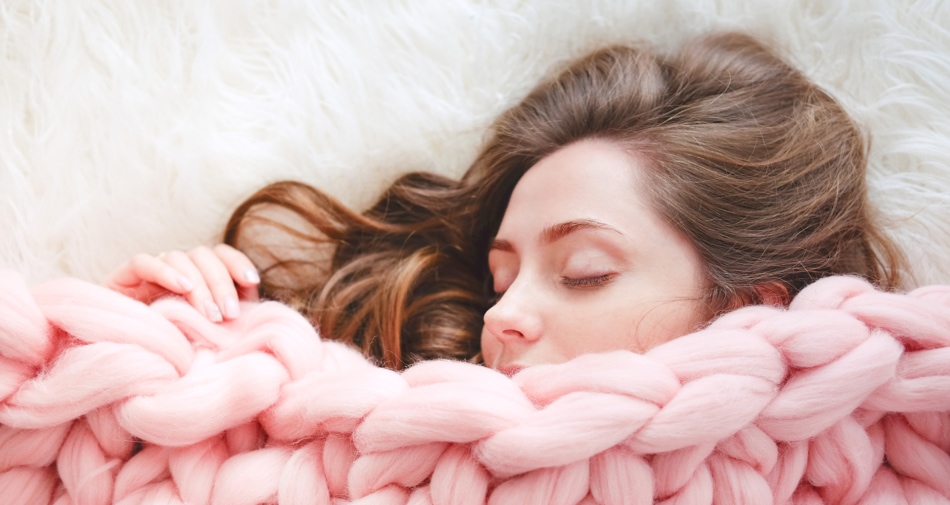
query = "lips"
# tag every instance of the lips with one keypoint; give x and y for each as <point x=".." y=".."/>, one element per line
<point x="511" y="370"/>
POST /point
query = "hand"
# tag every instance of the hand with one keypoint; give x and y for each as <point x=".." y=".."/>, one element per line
<point x="211" y="279"/>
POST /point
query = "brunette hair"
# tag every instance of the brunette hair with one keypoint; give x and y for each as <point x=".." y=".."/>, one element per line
<point x="762" y="171"/>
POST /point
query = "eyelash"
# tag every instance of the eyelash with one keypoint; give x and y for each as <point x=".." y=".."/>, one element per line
<point x="587" y="282"/>
<point x="570" y="282"/>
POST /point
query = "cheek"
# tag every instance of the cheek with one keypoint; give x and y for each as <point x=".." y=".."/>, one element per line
<point x="663" y="323"/>
<point x="606" y="325"/>
<point x="490" y="347"/>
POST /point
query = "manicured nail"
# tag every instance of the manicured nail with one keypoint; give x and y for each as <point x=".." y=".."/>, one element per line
<point x="252" y="276"/>
<point x="211" y="310"/>
<point x="231" y="308"/>
<point x="185" y="284"/>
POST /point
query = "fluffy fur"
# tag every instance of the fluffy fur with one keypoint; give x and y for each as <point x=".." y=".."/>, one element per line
<point x="843" y="398"/>
<point x="137" y="126"/>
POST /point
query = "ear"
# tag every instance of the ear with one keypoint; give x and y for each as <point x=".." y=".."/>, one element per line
<point x="772" y="293"/>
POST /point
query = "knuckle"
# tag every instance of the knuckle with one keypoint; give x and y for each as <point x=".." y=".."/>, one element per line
<point x="218" y="281"/>
<point x="201" y="293"/>
<point x="140" y="259"/>
<point x="174" y="255"/>
<point x="222" y="249"/>
<point x="174" y="260"/>
<point x="199" y="252"/>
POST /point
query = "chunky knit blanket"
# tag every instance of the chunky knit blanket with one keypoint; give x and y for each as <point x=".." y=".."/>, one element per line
<point x="842" y="398"/>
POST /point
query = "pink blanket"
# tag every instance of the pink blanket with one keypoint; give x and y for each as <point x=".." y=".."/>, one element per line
<point x="842" y="398"/>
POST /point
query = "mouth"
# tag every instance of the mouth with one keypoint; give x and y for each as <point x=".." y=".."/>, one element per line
<point x="511" y="370"/>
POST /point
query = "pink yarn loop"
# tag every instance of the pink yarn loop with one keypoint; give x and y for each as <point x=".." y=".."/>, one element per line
<point x="842" y="398"/>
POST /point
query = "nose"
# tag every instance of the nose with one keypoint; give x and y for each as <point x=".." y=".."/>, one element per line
<point x="516" y="316"/>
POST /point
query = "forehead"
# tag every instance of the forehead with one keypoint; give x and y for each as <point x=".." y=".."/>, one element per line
<point x="591" y="179"/>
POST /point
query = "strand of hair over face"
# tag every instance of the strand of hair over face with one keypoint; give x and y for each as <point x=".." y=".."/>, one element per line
<point x="842" y="398"/>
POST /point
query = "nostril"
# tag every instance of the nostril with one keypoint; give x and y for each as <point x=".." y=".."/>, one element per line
<point x="512" y="333"/>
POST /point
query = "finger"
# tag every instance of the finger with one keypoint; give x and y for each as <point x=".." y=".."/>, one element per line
<point x="218" y="279"/>
<point x="241" y="268"/>
<point x="200" y="296"/>
<point x="145" y="292"/>
<point x="145" y="269"/>
<point x="249" y="293"/>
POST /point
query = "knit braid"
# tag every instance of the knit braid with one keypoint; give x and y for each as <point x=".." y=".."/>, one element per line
<point x="842" y="398"/>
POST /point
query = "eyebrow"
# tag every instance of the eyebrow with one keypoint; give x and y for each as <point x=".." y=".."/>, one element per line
<point x="558" y="231"/>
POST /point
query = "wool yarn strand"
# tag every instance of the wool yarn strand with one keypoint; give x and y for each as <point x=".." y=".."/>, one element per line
<point x="844" y="397"/>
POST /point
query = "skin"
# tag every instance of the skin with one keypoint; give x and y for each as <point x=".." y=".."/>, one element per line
<point x="212" y="279"/>
<point x="583" y="264"/>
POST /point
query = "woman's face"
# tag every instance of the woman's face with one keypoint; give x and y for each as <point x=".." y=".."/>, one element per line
<point x="583" y="264"/>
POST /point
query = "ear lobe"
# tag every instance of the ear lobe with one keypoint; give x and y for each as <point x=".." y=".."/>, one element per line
<point x="772" y="293"/>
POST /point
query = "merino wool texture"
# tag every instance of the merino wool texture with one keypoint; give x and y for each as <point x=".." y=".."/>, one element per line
<point x="842" y="398"/>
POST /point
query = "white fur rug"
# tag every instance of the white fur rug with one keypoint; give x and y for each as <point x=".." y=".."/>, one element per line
<point x="130" y="126"/>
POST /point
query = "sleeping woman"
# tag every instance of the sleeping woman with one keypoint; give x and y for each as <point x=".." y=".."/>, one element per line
<point x="628" y="200"/>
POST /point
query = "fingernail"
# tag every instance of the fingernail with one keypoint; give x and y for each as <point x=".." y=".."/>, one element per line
<point x="185" y="284"/>
<point x="231" y="308"/>
<point x="211" y="310"/>
<point x="251" y="275"/>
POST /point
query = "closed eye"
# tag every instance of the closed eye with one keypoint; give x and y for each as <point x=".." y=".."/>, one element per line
<point x="587" y="282"/>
